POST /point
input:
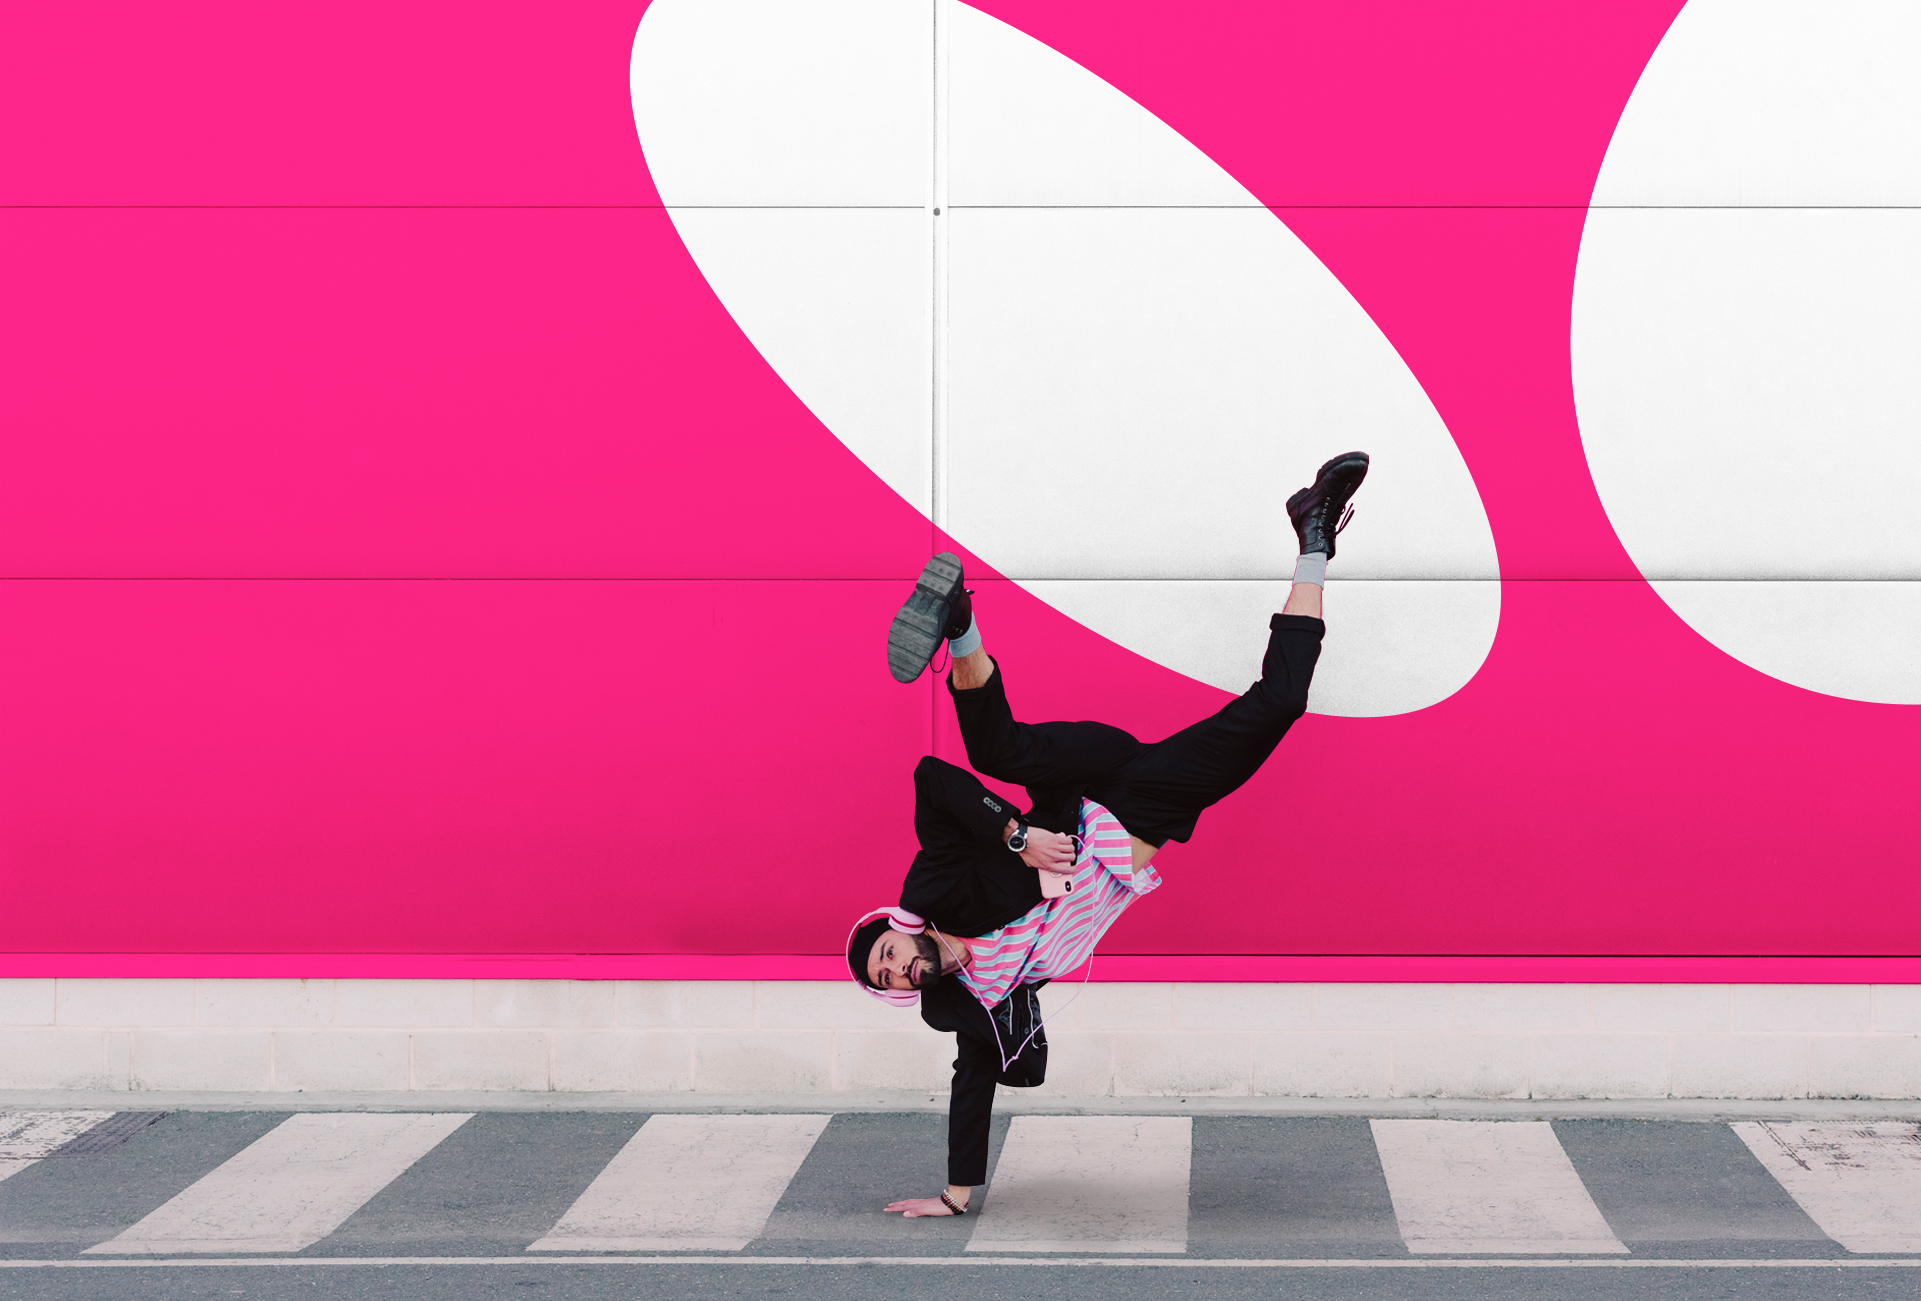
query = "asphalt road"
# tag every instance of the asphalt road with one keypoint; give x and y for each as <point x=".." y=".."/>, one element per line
<point x="606" y="1204"/>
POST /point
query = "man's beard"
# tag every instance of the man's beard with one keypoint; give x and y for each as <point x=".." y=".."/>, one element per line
<point x="929" y="952"/>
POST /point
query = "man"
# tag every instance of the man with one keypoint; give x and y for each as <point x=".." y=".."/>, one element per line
<point x="999" y="902"/>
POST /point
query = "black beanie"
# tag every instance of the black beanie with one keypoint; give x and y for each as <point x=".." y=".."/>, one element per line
<point x="861" y="946"/>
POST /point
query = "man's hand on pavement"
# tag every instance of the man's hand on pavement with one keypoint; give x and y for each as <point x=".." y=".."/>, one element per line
<point x="914" y="1207"/>
<point x="1050" y="851"/>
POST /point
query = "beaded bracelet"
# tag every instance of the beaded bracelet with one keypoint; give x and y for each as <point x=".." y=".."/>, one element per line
<point x="952" y="1205"/>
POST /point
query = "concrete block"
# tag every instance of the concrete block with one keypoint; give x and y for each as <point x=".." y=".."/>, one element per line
<point x="288" y="1003"/>
<point x="1461" y="1066"/>
<point x="119" y="1001"/>
<point x="690" y="1004"/>
<point x="1321" y="1065"/>
<point x="824" y="1005"/>
<point x="211" y="1060"/>
<point x="1079" y="1065"/>
<point x="1513" y="1009"/>
<point x="1864" y="1066"/>
<point x="1246" y="1007"/>
<point x="1820" y="1008"/>
<point x="313" y="1060"/>
<point x="1600" y="1066"/>
<point x="893" y="1059"/>
<point x="544" y="1004"/>
<point x="1383" y="1007"/>
<point x="1664" y="1009"/>
<point x="732" y="1061"/>
<point x="1196" y="1064"/>
<point x="404" y="1004"/>
<point x="62" y="1059"/>
<point x="1119" y="1005"/>
<point x="120" y="1058"/>
<point x="27" y="1001"/>
<point x="482" y="1059"/>
<point x="1896" y="1008"/>
<point x="1739" y="1066"/>
<point x="641" y="1061"/>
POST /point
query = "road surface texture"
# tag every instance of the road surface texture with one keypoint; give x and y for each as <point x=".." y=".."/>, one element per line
<point x="592" y="1204"/>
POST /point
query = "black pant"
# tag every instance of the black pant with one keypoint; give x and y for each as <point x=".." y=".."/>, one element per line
<point x="1157" y="791"/>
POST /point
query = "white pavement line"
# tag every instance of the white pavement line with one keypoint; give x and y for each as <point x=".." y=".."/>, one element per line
<point x="1861" y="1182"/>
<point x="692" y="1183"/>
<point x="11" y="1166"/>
<point x="25" y="1135"/>
<point x="292" y="1186"/>
<point x="1023" y="1262"/>
<point x="1089" y="1183"/>
<point x="1475" y="1186"/>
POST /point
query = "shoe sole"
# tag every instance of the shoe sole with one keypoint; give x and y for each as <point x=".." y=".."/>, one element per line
<point x="917" y="629"/>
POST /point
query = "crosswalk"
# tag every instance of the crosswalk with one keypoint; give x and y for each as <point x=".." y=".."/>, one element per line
<point x="27" y="1136"/>
<point x="1090" y="1183"/>
<point x="289" y="1189"/>
<point x="1481" y="1188"/>
<point x="251" y="1185"/>
<point x="689" y="1183"/>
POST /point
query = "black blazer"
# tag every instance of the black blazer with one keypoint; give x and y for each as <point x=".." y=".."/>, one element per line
<point x="964" y="879"/>
<point x="983" y="1039"/>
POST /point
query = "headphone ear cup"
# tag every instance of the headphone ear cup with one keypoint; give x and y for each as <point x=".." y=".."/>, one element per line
<point x="898" y="919"/>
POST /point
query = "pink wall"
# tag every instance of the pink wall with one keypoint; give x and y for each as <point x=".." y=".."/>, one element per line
<point x="407" y="554"/>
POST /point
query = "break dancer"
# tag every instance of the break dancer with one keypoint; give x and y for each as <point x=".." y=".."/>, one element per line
<point x="998" y="902"/>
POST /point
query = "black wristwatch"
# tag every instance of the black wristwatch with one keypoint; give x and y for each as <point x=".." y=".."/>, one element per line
<point x="1018" y="841"/>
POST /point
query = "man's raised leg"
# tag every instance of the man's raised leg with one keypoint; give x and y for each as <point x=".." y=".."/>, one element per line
<point x="1303" y="599"/>
<point x="971" y="671"/>
<point x="1169" y="786"/>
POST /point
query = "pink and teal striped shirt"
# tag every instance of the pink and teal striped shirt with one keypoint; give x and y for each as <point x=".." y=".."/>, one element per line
<point x="1057" y="935"/>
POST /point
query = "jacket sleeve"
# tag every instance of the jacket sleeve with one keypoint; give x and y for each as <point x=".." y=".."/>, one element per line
<point x="970" y="1112"/>
<point x="942" y="791"/>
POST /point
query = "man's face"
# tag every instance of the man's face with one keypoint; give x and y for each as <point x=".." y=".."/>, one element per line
<point x="903" y="961"/>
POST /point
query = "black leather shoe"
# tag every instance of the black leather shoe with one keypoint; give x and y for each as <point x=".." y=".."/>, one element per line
<point x="938" y="610"/>
<point x="1316" y="511"/>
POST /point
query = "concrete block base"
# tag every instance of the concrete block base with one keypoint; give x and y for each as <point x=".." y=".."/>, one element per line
<point x="1111" y="1040"/>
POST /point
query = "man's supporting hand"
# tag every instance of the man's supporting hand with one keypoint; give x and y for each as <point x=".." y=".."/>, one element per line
<point x="914" y="1207"/>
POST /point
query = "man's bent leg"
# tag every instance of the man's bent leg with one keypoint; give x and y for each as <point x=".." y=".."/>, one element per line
<point x="1161" y="794"/>
<point x="971" y="671"/>
<point x="1035" y="755"/>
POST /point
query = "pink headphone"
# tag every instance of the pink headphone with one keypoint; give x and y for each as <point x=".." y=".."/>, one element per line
<point x="898" y="919"/>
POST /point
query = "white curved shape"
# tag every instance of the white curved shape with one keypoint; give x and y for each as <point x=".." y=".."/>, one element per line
<point x="1774" y="102"/>
<point x="789" y="102"/>
<point x="1128" y="395"/>
<point x="1749" y="379"/>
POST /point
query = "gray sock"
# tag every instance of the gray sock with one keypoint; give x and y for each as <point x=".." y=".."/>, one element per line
<point x="968" y="642"/>
<point x="1312" y="568"/>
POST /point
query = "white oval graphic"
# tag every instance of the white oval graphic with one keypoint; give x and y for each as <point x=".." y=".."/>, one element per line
<point x="1104" y="365"/>
<point x="1747" y="336"/>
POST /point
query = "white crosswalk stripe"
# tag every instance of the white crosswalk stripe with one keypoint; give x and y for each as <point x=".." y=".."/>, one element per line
<point x="688" y="1183"/>
<point x="1089" y="1183"/>
<point x="1480" y="1186"/>
<point x="291" y="1187"/>
<point x="29" y="1135"/>
<point x="1860" y="1182"/>
<point x="26" y="1136"/>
